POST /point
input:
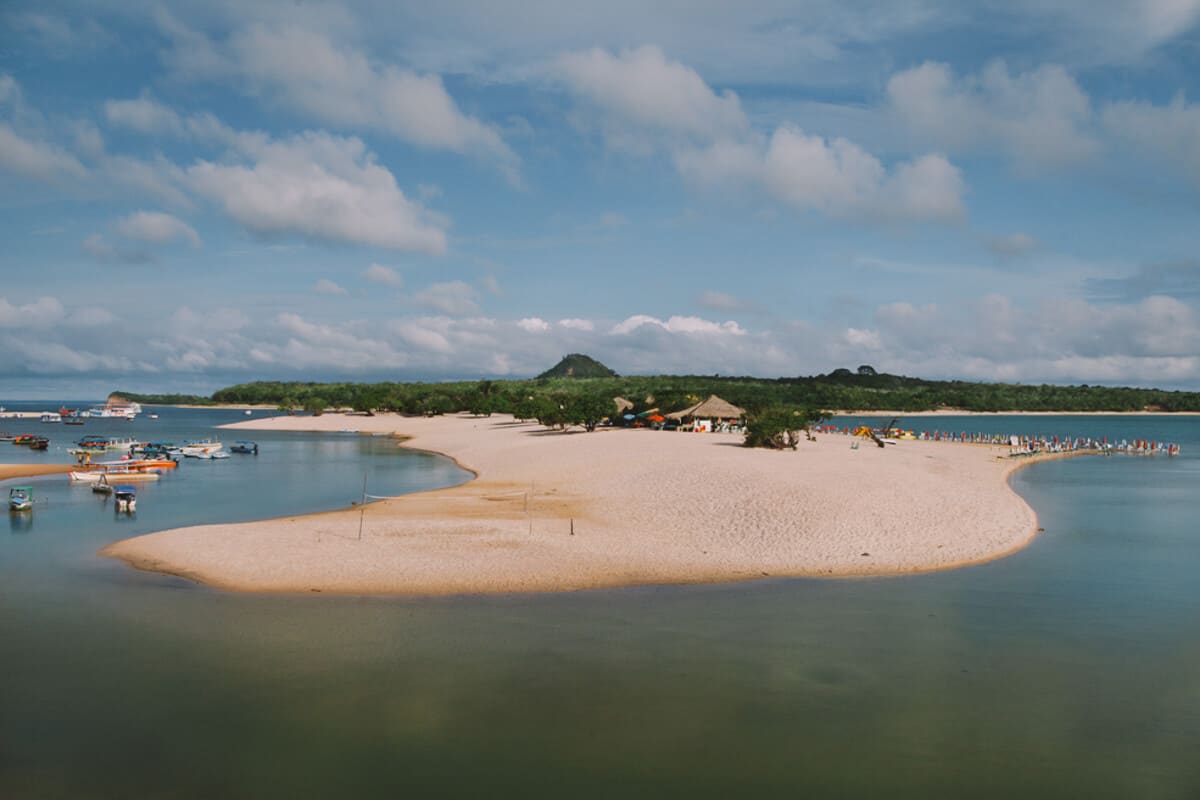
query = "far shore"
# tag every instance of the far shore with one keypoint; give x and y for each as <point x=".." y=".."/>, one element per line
<point x="553" y="511"/>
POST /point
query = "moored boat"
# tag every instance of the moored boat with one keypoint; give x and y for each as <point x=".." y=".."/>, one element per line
<point x="20" y="498"/>
<point x="245" y="448"/>
<point x="39" y="443"/>
<point x="125" y="498"/>
<point x="201" y="448"/>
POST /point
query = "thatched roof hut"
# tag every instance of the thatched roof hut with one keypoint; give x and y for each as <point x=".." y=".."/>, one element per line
<point x="712" y="408"/>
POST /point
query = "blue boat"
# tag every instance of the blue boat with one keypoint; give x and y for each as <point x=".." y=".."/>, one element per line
<point x="246" y="448"/>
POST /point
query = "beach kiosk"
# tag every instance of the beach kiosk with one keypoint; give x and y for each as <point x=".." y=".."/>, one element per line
<point x="713" y="414"/>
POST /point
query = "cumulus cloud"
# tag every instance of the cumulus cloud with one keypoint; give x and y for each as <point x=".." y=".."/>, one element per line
<point x="684" y="325"/>
<point x="1169" y="133"/>
<point x="156" y="227"/>
<point x="1039" y="118"/>
<point x="326" y="286"/>
<point x="143" y="114"/>
<point x="323" y="187"/>
<point x="649" y="103"/>
<point x="378" y="273"/>
<point x="533" y="324"/>
<point x="642" y="87"/>
<point x="836" y="177"/>
<point x="43" y="312"/>
<point x="576" y="324"/>
<point x="451" y="297"/>
<point x="307" y="69"/>
<point x="36" y="159"/>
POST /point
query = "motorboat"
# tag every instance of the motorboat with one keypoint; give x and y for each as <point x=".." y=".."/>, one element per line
<point x="108" y="472"/>
<point x="51" y="417"/>
<point x="125" y="499"/>
<point x="200" y="448"/>
<point x="39" y="443"/>
<point x="20" y="498"/>
<point x="245" y="448"/>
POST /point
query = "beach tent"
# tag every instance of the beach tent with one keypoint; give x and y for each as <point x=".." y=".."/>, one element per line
<point x="712" y="408"/>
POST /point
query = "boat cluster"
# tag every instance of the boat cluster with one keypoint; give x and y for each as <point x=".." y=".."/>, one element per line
<point x="30" y="440"/>
<point x="1018" y="444"/>
<point x="138" y="462"/>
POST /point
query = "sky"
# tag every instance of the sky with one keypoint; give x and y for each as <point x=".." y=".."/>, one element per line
<point x="196" y="194"/>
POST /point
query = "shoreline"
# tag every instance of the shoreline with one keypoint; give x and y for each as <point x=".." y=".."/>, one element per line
<point x="10" y="472"/>
<point x="617" y="508"/>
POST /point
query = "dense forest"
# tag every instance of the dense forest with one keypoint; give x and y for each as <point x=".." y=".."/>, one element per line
<point x="842" y="389"/>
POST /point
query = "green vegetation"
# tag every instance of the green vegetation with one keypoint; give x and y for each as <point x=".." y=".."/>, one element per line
<point x="779" y="427"/>
<point x="576" y="400"/>
<point x="165" y="399"/>
<point x="577" y="365"/>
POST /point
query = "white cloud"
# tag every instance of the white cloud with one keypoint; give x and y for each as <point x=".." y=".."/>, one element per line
<point x="451" y="297"/>
<point x="835" y="177"/>
<point x="721" y="301"/>
<point x="157" y="228"/>
<point x="679" y="325"/>
<point x="378" y="273"/>
<point x="1039" y="118"/>
<point x="36" y="159"/>
<point x="643" y="87"/>
<point x="145" y="115"/>
<point x="533" y="325"/>
<point x="307" y="69"/>
<point x="651" y="104"/>
<point x="319" y="186"/>
<point x="1169" y="133"/>
<point x="326" y="286"/>
<point x="43" y="312"/>
<point x="577" y="324"/>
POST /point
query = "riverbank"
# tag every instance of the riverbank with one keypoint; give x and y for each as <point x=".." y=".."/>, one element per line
<point x="556" y="512"/>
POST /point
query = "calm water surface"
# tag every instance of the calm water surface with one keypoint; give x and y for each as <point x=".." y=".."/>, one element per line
<point x="1071" y="669"/>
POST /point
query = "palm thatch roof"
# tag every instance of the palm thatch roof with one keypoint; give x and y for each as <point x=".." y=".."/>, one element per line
<point x="712" y="408"/>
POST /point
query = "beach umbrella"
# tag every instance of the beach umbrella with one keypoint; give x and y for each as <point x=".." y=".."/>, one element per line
<point x="655" y="417"/>
<point x="630" y="416"/>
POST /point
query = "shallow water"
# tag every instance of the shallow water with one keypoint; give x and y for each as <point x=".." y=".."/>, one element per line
<point x="1071" y="668"/>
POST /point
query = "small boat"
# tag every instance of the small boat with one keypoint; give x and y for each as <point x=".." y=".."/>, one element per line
<point x="39" y="443"/>
<point x="124" y="443"/>
<point x="102" y="486"/>
<point x="73" y="420"/>
<point x="20" y="498"/>
<point x="95" y="476"/>
<point x="248" y="412"/>
<point x="245" y="448"/>
<point x="200" y="448"/>
<point x="25" y="439"/>
<point x="125" y="498"/>
<point x="6" y="437"/>
<point x="52" y="418"/>
<point x="154" y="416"/>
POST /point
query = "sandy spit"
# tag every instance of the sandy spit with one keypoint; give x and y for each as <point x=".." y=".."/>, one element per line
<point x="10" y="471"/>
<point x="646" y="507"/>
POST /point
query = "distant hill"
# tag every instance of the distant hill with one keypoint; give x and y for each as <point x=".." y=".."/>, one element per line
<point x="577" y="365"/>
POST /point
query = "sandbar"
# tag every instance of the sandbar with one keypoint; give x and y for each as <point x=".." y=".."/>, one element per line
<point x="552" y="511"/>
<point x="10" y="471"/>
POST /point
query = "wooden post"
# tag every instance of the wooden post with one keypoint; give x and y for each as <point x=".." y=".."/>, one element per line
<point x="362" y="506"/>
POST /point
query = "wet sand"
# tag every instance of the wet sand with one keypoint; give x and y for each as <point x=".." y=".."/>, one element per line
<point x="10" y="471"/>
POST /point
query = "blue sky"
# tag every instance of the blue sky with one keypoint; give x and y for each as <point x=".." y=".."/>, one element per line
<point x="197" y="194"/>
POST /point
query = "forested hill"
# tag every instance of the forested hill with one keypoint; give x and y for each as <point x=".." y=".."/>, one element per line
<point x="842" y="389"/>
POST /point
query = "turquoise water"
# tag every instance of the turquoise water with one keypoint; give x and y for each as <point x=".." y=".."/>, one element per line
<point x="1071" y="669"/>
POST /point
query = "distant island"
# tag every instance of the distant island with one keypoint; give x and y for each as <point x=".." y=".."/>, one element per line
<point x="578" y="377"/>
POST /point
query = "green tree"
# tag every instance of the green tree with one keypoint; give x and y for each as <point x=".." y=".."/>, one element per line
<point x="315" y="405"/>
<point x="779" y="427"/>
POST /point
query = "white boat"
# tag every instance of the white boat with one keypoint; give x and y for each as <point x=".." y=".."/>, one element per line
<point x="201" y="448"/>
<point x="52" y="417"/>
<point x="109" y="473"/>
<point x="125" y="411"/>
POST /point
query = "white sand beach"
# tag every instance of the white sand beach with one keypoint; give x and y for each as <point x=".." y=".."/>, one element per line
<point x="646" y="507"/>
<point x="11" y="471"/>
